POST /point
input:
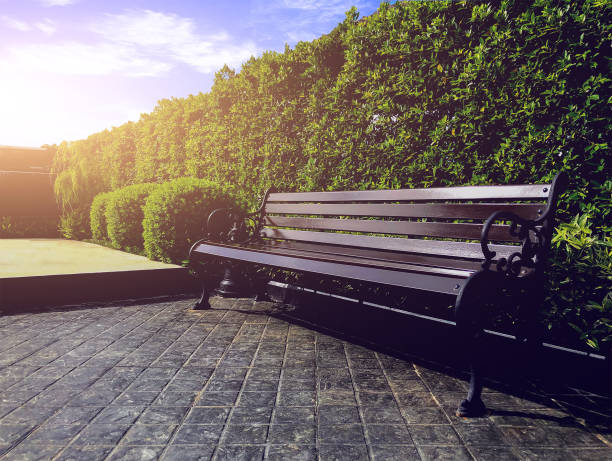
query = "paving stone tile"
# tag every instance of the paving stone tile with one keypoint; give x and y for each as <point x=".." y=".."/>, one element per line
<point x="297" y="432"/>
<point x="288" y="415"/>
<point x="416" y="399"/>
<point x="291" y="452"/>
<point x="245" y="434"/>
<point x="434" y="435"/>
<point x="162" y="415"/>
<point x="188" y="453"/>
<point x="239" y="453"/>
<point x="334" y="414"/>
<point x="118" y="415"/>
<point x="54" y="434"/>
<point x="382" y="415"/>
<point x="94" y="397"/>
<point x="343" y="453"/>
<point x="424" y="415"/>
<point x="148" y="434"/>
<point x="217" y="398"/>
<point x="257" y="386"/>
<point x="136" y="398"/>
<point x="11" y="433"/>
<point x="150" y="385"/>
<point x="532" y="437"/>
<point x="388" y="434"/>
<point x="436" y="453"/>
<point x="486" y="434"/>
<point x="297" y="385"/>
<point x="342" y="434"/>
<point x="375" y="399"/>
<point x="129" y="453"/>
<point x="335" y="397"/>
<point x="395" y="453"/>
<point x="33" y="452"/>
<point x="544" y="454"/>
<point x="294" y="398"/>
<point x="101" y="434"/>
<point x="251" y="415"/>
<point x="179" y="399"/>
<point x="74" y="415"/>
<point x="207" y="415"/>
<point x="28" y="414"/>
<point x="197" y="435"/>
<point x="85" y="452"/>
<point x="257" y="399"/>
<point x="484" y="453"/>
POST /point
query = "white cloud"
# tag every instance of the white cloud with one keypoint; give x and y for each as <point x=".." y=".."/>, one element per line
<point x="136" y="44"/>
<point x="175" y="38"/>
<point x="46" y="26"/>
<point x="16" y="24"/>
<point x="58" y="2"/>
<point x="304" y="19"/>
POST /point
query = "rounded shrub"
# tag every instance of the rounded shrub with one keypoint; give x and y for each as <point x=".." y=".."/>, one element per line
<point x="124" y="215"/>
<point x="175" y="214"/>
<point x="97" y="216"/>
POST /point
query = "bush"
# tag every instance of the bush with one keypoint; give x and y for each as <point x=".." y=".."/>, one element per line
<point x="124" y="215"/>
<point x="175" y="214"/>
<point x="97" y="216"/>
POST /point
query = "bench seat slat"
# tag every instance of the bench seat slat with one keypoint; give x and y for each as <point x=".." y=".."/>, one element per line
<point x="424" y="281"/>
<point x="404" y="210"/>
<point x="433" y="229"/>
<point x="434" y="247"/>
<point x="368" y="253"/>
<point x="513" y="192"/>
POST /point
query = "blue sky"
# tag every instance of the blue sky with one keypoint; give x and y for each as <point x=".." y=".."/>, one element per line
<point x="69" y="68"/>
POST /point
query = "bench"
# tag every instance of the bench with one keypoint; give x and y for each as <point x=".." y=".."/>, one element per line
<point x="465" y="242"/>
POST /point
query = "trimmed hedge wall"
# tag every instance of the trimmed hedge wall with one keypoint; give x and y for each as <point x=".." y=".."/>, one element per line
<point x="175" y="214"/>
<point x="124" y="215"/>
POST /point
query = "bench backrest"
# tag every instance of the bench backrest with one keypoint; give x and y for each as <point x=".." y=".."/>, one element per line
<point x="360" y="218"/>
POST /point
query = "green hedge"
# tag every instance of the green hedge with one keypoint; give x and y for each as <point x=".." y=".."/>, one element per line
<point x="175" y="215"/>
<point x="97" y="216"/>
<point x="124" y="215"/>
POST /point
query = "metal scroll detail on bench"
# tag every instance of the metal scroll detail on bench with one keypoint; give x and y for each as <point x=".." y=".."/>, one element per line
<point x="230" y="225"/>
<point x="534" y="235"/>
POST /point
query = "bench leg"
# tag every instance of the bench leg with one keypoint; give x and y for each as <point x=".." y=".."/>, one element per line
<point x="468" y="321"/>
<point x="204" y="277"/>
<point x="203" y="303"/>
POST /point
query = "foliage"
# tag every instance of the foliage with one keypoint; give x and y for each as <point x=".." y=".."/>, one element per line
<point x="419" y="94"/>
<point x="28" y="227"/>
<point x="97" y="218"/>
<point x="175" y="214"/>
<point x="124" y="215"/>
<point x="582" y="297"/>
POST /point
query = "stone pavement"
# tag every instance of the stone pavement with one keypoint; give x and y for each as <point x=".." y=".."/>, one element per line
<point x="143" y="381"/>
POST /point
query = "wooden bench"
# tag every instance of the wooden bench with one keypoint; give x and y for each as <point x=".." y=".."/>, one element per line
<point x="377" y="236"/>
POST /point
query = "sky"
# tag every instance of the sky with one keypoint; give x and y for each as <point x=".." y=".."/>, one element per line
<point x="70" y="68"/>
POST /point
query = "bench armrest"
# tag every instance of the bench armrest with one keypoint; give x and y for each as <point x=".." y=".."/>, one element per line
<point x="535" y="234"/>
<point x="531" y="233"/>
<point x="232" y="226"/>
